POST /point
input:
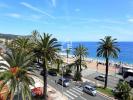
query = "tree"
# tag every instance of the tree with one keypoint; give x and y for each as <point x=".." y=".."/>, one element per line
<point x="80" y="53"/>
<point x="107" y="48"/>
<point x="22" y="43"/>
<point x="67" y="52"/>
<point x="58" y="61"/>
<point x="48" y="49"/>
<point x="123" y="91"/>
<point x="18" y="74"/>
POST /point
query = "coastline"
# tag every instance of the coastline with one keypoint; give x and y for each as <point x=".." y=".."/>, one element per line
<point x="92" y="64"/>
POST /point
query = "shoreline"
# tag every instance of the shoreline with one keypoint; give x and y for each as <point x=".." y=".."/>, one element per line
<point x="96" y="59"/>
<point x="92" y="64"/>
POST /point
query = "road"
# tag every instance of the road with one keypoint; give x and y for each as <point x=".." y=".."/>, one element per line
<point x="73" y="92"/>
<point x="90" y="75"/>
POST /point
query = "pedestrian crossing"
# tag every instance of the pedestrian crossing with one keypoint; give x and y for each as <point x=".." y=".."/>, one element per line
<point x="73" y="93"/>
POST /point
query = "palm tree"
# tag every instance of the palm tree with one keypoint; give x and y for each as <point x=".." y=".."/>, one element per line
<point x="18" y="74"/>
<point x="107" y="48"/>
<point x="76" y="65"/>
<point x="124" y="91"/>
<point x="67" y="52"/>
<point x="22" y="43"/>
<point x="48" y="48"/>
<point x="58" y="61"/>
<point x="80" y="53"/>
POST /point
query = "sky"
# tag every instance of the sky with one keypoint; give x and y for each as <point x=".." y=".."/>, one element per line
<point x="69" y="20"/>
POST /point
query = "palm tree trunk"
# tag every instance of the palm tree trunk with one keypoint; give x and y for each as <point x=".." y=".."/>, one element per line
<point x="106" y="75"/>
<point x="45" y="80"/>
<point x="80" y="62"/>
<point x="58" y="66"/>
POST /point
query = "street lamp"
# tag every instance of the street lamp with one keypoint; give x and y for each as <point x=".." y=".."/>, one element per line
<point x="62" y="78"/>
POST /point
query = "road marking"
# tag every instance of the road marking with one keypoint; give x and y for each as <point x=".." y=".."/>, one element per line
<point x="72" y="93"/>
<point x="52" y="81"/>
<point x="78" y="90"/>
<point x="82" y="98"/>
<point x="75" y="92"/>
<point x="68" y="95"/>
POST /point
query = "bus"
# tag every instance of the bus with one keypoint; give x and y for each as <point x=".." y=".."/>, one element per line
<point x="128" y="76"/>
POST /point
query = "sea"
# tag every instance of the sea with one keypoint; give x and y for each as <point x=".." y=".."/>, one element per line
<point x="125" y="55"/>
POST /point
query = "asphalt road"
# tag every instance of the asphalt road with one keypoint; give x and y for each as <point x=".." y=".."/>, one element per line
<point x="73" y="92"/>
<point x="112" y="80"/>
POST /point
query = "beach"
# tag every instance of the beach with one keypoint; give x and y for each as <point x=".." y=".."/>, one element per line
<point x="92" y="64"/>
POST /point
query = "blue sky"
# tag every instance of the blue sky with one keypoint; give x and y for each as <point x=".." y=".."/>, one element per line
<point x="69" y="20"/>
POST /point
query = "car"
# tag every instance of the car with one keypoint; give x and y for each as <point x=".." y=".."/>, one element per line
<point x="52" y="73"/>
<point x="64" y="82"/>
<point x="100" y="77"/>
<point x="90" y="90"/>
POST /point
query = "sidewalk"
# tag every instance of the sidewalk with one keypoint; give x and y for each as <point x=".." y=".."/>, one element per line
<point x="53" y="94"/>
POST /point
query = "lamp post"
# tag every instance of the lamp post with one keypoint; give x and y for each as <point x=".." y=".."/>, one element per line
<point x="62" y="79"/>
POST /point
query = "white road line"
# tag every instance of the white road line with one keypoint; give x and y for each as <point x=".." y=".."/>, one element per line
<point x="75" y="92"/>
<point x="52" y="81"/>
<point x="78" y="90"/>
<point x="82" y="98"/>
<point x="71" y="93"/>
<point x="68" y="95"/>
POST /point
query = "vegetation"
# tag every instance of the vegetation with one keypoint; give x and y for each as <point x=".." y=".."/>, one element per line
<point x="123" y="91"/>
<point x="47" y="49"/>
<point x="21" y="44"/>
<point x="106" y="91"/>
<point x="58" y="62"/>
<point x="107" y="48"/>
<point x="67" y="52"/>
<point x="80" y="52"/>
<point x="17" y="74"/>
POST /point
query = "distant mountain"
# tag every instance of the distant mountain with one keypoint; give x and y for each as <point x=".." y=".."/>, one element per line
<point x="8" y="36"/>
<point x="11" y="36"/>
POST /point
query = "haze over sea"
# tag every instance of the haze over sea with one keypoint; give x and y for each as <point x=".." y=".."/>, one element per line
<point x="125" y="56"/>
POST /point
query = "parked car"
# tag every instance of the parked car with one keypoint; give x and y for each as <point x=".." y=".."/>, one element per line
<point x="52" y="73"/>
<point x="90" y="90"/>
<point x="100" y="77"/>
<point x="64" y="82"/>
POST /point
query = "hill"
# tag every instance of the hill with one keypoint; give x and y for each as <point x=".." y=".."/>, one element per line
<point x="8" y="36"/>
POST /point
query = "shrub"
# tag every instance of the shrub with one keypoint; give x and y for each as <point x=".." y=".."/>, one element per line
<point x="77" y="76"/>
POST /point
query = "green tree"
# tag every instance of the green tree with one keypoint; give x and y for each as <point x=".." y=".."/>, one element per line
<point x="59" y="62"/>
<point x="48" y="49"/>
<point x="22" y="44"/>
<point x="18" y="74"/>
<point x="123" y="91"/>
<point x="107" y="48"/>
<point x="67" y="52"/>
<point x="80" y="53"/>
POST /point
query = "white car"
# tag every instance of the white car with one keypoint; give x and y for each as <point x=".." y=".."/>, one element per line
<point x="90" y="90"/>
<point x="100" y="77"/>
